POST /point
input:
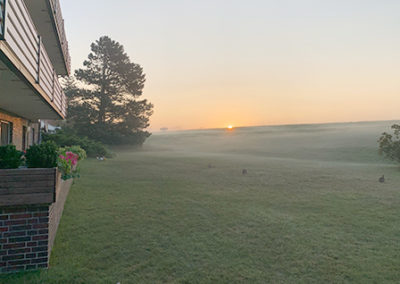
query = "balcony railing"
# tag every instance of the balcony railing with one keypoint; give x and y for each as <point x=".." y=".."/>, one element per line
<point x="21" y="36"/>
<point x="59" y="20"/>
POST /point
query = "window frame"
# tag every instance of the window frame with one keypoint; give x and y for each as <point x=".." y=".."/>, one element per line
<point x="10" y="132"/>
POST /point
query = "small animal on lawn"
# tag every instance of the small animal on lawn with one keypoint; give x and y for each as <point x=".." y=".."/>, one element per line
<point x="244" y="172"/>
<point x="382" y="179"/>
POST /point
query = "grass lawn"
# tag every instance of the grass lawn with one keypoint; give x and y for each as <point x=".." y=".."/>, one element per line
<point x="310" y="210"/>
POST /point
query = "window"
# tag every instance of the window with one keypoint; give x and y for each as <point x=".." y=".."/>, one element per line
<point x="5" y="133"/>
<point x="32" y="136"/>
<point x="24" y="134"/>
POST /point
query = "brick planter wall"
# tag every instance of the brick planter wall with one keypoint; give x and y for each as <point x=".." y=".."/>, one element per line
<point x="56" y="209"/>
<point x="27" y="231"/>
<point x="24" y="238"/>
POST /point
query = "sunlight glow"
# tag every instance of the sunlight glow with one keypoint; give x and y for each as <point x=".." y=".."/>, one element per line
<point x="230" y="127"/>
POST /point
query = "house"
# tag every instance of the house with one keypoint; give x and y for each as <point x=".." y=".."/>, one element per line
<point x="33" y="55"/>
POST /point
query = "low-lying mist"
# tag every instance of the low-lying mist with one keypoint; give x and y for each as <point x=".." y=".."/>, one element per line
<point x="347" y="142"/>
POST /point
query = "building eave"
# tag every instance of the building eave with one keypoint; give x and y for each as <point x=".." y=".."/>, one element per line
<point x="19" y="70"/>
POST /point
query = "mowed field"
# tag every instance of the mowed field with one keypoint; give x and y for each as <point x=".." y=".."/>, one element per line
<point x="179" y="210"/>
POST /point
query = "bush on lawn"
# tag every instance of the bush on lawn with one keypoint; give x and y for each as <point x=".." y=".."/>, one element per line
<point x="66" y="139"/>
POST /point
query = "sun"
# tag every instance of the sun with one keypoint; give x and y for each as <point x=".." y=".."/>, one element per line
<point x="230" y="127"/>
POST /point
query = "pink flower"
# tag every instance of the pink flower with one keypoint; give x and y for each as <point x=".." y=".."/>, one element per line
<point x="74" y="161"/>
<point x="70" y="155"/>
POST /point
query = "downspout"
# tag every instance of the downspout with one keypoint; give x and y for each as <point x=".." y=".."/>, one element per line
<point x="40" y="132"/>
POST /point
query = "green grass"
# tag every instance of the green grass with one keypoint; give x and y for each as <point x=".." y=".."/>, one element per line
<point x="310" y="210"/>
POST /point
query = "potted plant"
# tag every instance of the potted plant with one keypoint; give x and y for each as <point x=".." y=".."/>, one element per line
<point x="33" y="185"/>
<point x="46" y="167"/>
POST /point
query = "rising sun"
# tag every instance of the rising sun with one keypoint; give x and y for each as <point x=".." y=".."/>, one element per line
<point x="230" y="127"/>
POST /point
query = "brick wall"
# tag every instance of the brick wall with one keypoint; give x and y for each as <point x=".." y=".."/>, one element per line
<point x="24" y="238"/>
<point x="18" y="124"/>
<point x="27" y="233"/>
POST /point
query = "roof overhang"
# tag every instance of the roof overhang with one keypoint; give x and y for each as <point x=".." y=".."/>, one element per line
<point x="19" y="96"/>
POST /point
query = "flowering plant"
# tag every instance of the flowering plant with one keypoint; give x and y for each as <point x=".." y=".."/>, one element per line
<point x="68" y="164"/>
<point x="76" y="150"/>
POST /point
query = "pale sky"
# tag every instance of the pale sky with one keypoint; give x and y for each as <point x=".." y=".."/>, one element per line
<point x="211" y="63"/>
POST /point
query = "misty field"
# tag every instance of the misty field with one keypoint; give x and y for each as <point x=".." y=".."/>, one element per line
<point x="310" y="210"/>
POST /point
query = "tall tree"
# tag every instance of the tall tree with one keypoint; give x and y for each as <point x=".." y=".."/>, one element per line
<point x="104" y="102"/>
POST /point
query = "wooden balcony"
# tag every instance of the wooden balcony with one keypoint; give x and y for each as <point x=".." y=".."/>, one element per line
<point x="47" y="17"/>
<point x="29" y="84"/>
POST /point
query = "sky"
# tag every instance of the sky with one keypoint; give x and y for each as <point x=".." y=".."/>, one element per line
<point x="213" y="63"/>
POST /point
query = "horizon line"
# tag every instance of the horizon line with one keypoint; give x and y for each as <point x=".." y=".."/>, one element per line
<point x="272" y="125"/>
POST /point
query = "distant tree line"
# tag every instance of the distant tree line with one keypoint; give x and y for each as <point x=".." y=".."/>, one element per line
<point x="389" y="144"/>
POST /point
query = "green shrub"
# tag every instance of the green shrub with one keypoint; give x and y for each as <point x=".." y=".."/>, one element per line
<point x="64" y="139"/>
<point x="10" y="157"/>
<point x="42" y="155"/>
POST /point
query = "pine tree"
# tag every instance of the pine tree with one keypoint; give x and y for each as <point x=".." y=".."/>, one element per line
<point x="104" y="102"/>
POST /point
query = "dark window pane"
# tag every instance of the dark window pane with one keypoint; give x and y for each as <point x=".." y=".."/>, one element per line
<point x="10" y="139"/>
<point x="24" y="130"/>
<point x="5" y="133"/>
